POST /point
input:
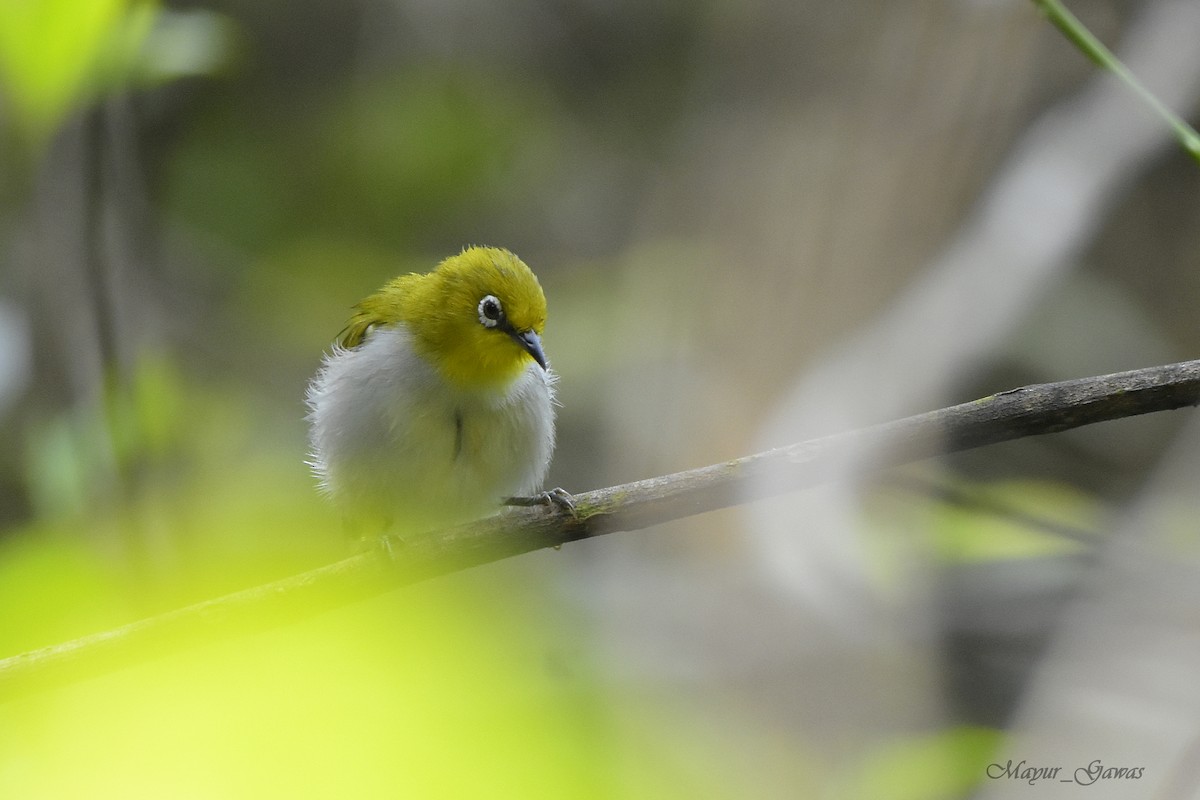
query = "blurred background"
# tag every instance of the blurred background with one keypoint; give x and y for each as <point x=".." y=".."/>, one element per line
<point x="755" y="223"/>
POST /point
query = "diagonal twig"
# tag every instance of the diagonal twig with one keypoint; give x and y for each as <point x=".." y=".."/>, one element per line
<point x="1028" y="411"/>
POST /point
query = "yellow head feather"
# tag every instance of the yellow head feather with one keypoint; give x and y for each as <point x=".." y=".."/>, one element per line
<point x="442" y="311"/>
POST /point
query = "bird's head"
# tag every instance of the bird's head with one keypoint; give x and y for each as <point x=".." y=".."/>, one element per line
<point x="478" y="317"/>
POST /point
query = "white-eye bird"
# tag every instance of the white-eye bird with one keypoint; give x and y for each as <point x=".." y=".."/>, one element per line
<point x="437" y="401"/>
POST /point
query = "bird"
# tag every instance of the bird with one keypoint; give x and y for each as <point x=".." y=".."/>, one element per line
<point x="436" y="403"/>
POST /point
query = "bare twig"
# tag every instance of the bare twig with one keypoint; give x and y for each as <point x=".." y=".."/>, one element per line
<point x="1029" y="411"/>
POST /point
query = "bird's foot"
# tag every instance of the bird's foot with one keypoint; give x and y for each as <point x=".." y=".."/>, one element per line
<point x="555" y="498"/>
<point x="391" y="545"/>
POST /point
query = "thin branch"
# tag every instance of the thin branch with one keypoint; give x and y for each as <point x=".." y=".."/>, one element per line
<point x="1083" y="39"/>
<point x="1029" y="411"/>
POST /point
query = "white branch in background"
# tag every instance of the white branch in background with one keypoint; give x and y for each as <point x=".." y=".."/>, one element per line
<point x="1040" y="212"/>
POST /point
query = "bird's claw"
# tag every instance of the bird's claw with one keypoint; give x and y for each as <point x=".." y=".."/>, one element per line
<point x="556" y="498"/>
<point x="390" y="545"/>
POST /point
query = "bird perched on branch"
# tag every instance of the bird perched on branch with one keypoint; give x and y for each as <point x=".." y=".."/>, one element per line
<point x="436" y="403"/>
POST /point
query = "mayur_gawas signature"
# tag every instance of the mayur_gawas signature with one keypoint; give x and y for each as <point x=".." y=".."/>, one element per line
<point x="1084" y="776"/>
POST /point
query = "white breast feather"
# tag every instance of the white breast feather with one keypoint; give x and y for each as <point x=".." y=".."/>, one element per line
<point x="387" y="444"/>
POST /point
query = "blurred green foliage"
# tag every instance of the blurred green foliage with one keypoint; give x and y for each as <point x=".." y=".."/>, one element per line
<point x="980" y="530"/>
<point x="939" y="766"/>
<point x="55" y="53"/>
<point x="447" y="690"/>
<point x="74" y="459"/>
<point x="960" y="521"/>
<point x="175" y="499"/>
<point x="393" y="160"/>
<point x="57" y="56"/>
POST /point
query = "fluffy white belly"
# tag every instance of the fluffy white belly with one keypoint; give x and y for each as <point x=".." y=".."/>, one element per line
<point x="396" y="446"/>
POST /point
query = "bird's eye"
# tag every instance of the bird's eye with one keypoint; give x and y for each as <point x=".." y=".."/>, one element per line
<point x="490" y="311"/>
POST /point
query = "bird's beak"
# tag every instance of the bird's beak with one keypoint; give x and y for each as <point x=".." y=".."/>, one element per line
<point x="531" y="343"/>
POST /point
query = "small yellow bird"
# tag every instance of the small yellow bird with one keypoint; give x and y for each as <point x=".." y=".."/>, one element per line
<point x="436" y="403"/>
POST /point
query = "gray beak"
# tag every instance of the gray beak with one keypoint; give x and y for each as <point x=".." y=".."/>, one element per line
<point x="531" y="343"/>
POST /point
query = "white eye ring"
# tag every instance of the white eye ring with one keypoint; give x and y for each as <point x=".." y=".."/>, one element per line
<point x="490" y="311"/>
